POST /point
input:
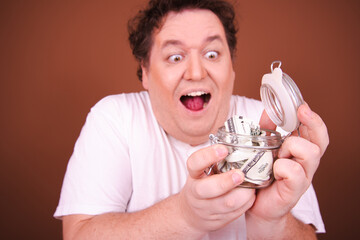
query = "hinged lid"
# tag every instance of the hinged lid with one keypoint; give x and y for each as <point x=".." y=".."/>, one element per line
<point x="281" y="98"/>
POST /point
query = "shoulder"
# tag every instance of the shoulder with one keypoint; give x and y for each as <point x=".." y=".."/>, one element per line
<point x="245" y="101"/>
<point x="122" y="101"/>
<point x="248" y="107"/>
<point x="120" y="111"/>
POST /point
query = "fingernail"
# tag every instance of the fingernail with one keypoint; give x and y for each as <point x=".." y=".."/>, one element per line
<point x="308" y="111"/>
<point x="221" y="151"/>
<point x="279" y="153"/>
<point x="237" y="178"/>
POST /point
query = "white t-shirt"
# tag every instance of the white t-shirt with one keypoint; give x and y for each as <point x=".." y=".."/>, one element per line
<point x="123" y="161"/>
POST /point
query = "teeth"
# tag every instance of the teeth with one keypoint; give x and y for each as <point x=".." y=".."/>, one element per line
<point x="194" y="94"/>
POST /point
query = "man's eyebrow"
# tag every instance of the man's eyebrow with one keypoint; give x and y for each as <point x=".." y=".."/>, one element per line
<point x="177" y="42"/>
<point x="213" y="38"/>
<point x="171" y="42"/>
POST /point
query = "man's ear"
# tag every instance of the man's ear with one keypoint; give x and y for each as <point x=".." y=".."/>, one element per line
<point x="144" y="77"/>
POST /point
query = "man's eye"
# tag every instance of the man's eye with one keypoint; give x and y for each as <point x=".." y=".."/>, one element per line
<point x="211" y="55"/>
<point x="175" y="58"/>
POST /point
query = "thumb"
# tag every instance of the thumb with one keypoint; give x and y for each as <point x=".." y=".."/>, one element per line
<point x="265" y="122"/>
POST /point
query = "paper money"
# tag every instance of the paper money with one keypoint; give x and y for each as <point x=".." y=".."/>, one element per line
<point x="241" y="125"/>
<point x="255" y="163"/>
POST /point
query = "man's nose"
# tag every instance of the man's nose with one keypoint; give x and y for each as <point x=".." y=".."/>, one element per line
<point x="195" y="68"/>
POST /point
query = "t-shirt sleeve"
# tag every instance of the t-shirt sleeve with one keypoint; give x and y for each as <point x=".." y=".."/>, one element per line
<point x="307" y="210"/>
<point x="98" y="175"/>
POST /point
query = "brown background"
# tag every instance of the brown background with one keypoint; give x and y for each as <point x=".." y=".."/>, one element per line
<point x="58" y="58"/>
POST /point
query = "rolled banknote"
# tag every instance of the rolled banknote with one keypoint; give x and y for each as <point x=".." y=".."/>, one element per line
<point x="256" y="163"/>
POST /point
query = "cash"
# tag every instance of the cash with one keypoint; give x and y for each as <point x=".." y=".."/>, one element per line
<point x="241" y="125"/>
<point x="255" y="163"/>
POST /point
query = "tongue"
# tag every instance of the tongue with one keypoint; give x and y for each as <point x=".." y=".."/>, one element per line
<point x="194" y="103"/>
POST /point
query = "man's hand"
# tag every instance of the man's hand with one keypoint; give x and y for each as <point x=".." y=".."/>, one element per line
<point x="210" y="202"/>
<point x="299" y="158"/>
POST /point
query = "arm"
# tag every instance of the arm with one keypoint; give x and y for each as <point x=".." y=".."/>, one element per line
<point x="161" y="221"/>
<point x="299" y="157"/>
<point x="287" y="227"/>
<point x="204" y="204"/>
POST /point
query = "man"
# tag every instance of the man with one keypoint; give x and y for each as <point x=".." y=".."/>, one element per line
<point x="137" y="170"/>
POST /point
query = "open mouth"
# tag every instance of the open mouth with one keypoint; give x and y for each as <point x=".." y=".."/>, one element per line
<point x="195" y="101"/>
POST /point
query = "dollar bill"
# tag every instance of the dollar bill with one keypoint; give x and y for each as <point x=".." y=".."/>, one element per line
<point x="255" y="163"/>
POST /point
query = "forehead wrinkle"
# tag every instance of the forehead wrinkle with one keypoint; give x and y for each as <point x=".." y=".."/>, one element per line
<point x="174" y="42"/>
<point x="171" y="42"/>
<point x="213" y="38"/>
<point x="171" y="31"/>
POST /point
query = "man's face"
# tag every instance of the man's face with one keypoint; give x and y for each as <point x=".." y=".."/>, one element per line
<point x="190" y="75"/>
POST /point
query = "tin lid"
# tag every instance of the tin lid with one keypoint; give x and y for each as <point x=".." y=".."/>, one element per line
<point x="281" y="98"/>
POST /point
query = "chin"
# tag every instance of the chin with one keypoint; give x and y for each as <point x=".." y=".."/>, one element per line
<point x="197" y="130"/>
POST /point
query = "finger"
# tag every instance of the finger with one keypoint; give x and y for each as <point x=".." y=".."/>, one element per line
<point x="233" y="204"/>
<point x="265" y="122"/>
<point x="316" y="130"/>
<point x="217" y="184"/>
<point x="237" y="198"/>
<point x="222" y="217"/>
<point x="309" y="159"/>
<point x="292" y="178"/>
<point x="202" y="159"/>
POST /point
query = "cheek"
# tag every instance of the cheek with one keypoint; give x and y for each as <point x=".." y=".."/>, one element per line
<point x="225" y="78"/>
<point x="230" y="75"/>
<point x="162" y="83"/>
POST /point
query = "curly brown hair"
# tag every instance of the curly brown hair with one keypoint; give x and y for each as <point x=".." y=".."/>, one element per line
<point x="142" y="25"/>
